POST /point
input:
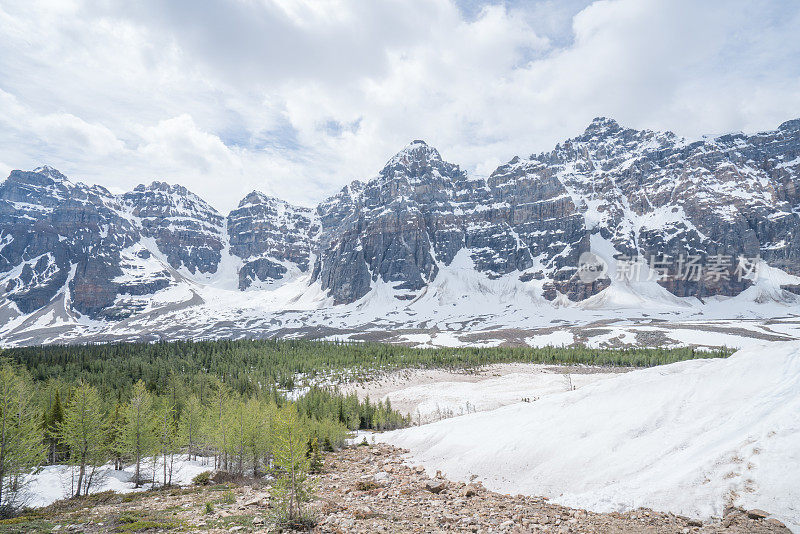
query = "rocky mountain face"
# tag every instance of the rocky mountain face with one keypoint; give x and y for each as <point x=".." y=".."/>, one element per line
<point x="99" y="252"/>
<point x="392" y="228"/>
<point x="679" y="206"/>
<point x="658" y="196"/>
<point x="270" y="236"/>
<point x="55" y="233"/>
<point x="420" y="211"/>
<point x="189" y="232"/>
<point x="644" y="194"/>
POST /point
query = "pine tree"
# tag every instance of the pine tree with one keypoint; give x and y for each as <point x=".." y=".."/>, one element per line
<point x="167" y="436"/>
<point x="189" y="426"/>
<point x="139" y="432"/>
<point x="217" y="427"/>
<point x="315" y="463"/>
<point x="21" y="436"/>
<point x="114" y="441"/>
<point x="83" y="432"/>
<point x="293" y="487"/>
<point x="239" y="423"/>
<point x="257" y="438"/>
<point x="53" y="416"/>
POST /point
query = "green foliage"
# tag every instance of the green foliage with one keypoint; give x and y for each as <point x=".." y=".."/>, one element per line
<point x="252" y="366"/>
<point x="189" y="424"/>
<point x="228" y="497"/>
<point x="139" y="431"/>
<point x="315" y="463"/>
<point x="52" y="418"/>
<point x="202" y="479"/>
<point x="129" y="517"/>
<point x="21" y="437"/>
<point x="166" y="436"/>
<point x="260" y="417"/>
<point x="227" y="399"/>
<point x="114" y="442"/>
<point x="292" y="488"/>
<point x="239" y="423"/>
<point x="83" y="432"/>
<point x="139" y="521"/>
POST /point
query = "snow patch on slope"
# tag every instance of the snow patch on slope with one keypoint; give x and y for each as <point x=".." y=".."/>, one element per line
<point x="641" y="291"/>
<point x="690" y="438"/>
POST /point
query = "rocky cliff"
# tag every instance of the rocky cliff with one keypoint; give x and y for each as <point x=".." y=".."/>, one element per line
<point x="271" y="237"/>
<point x="188" y="231"/>
<point x="686" y="210"/>
<point x="627" y="195"/>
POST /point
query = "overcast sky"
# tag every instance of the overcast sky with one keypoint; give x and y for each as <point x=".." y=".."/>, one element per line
<point x="299" y="97"/>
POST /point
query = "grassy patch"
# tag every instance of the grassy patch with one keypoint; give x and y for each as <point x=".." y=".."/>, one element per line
<point x="139" y="520"/>
<point x="146" y="524"/>
<point x="26" y="525"/>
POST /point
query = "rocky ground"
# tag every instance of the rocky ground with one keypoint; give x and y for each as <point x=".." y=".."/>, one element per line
<point x="364" y="489"/>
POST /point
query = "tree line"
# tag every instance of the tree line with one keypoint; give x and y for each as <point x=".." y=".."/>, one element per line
<point x="74" y="423"/>
<point x="143" y="404"/>
<point x="248" y="365"/>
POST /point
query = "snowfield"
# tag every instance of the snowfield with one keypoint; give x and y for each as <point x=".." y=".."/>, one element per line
<point x="54" y="482"/>
<point x="433" y="394"/>
<point x="689" y="437"/>
<point x="461" y="307"/>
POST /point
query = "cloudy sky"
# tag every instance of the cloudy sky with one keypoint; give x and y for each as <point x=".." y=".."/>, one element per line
<point x="299" y="97"/>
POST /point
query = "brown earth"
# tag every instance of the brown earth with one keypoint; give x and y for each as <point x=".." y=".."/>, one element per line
<point x="366" y="489"/>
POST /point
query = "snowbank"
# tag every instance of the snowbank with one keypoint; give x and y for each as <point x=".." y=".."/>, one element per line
<point x="688" y="437"/>
<point x="53" y="482"/>
<point x="433" y="394"/>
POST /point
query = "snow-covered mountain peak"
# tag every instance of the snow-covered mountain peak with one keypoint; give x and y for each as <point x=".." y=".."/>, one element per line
<point x="417" y="165"/>
<point x="186" y="229"/>
<point x="165" y="197"/>
<point x="272" y="238"/>
<point x="612" y="190"/>
<point x="40" y="177"/>
<point x="157" y="185"/>
<point x="602" y="126"/>
<point x="50" y="172"/>
<point x="256" y="199"/>
<point x="416" y="153"/>
<point x="792" y="125"/>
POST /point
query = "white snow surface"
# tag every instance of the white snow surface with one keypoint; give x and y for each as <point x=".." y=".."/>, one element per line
<point x="53" y="482"/>
<point x="460" y="307"/>
<point x="689" y="438"/>
<point x="433" y="394"/>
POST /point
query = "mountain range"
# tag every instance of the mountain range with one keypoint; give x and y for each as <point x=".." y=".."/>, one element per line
<point x="77" y="261"/>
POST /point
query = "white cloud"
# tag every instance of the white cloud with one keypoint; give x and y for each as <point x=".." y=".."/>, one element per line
<point x="298" y="97"/>
<point x="73" y="135"/>
<point x="178" y="145"/>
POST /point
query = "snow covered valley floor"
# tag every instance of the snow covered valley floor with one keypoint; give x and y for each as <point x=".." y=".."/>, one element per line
<point x="690" y="437"/>
<point x="435" y="394"/>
